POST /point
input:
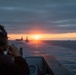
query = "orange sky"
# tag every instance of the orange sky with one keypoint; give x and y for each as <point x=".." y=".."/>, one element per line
<point x="62" y="36"/>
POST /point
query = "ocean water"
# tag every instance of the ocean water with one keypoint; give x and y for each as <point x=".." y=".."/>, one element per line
<point x="63" y="51"/>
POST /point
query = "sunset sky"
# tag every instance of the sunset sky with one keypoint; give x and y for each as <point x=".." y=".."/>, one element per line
<point x="47" y="19"/>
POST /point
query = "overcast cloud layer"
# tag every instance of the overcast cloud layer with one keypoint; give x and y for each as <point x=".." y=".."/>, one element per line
<point x="48" y="16"/>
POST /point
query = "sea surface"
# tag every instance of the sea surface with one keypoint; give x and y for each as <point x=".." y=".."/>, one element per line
<point x="63" y="51"/>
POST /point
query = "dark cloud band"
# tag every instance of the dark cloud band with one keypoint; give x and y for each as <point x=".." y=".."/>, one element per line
<point x="23" y="16"/>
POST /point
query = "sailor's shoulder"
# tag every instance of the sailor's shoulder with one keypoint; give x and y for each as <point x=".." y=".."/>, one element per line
<point x="5" y="58"/>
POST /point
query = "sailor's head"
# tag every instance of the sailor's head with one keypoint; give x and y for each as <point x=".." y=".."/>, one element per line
<point x="3" y="38"/>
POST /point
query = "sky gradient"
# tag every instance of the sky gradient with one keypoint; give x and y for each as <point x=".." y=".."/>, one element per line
<point x="38" y="16"/>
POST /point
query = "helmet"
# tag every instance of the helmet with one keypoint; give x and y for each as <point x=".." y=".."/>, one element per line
<point x="3" y="36"/>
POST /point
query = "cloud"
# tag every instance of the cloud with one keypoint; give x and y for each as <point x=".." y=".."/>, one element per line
<point x="49" y="16"/>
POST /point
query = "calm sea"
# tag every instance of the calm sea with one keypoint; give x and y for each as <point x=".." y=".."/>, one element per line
<point x="63" y="51"/>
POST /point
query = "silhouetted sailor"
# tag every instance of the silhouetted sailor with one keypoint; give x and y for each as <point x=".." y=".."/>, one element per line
<point x="18" y="66"/>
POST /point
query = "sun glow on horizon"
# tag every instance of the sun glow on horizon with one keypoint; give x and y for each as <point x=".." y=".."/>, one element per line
<point x="61" y="36"/>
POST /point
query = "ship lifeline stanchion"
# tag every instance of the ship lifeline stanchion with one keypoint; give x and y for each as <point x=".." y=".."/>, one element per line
<point x="21" y="51"/>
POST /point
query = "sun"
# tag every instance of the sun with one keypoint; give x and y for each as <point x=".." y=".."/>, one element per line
<point x="36" y="37"/>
